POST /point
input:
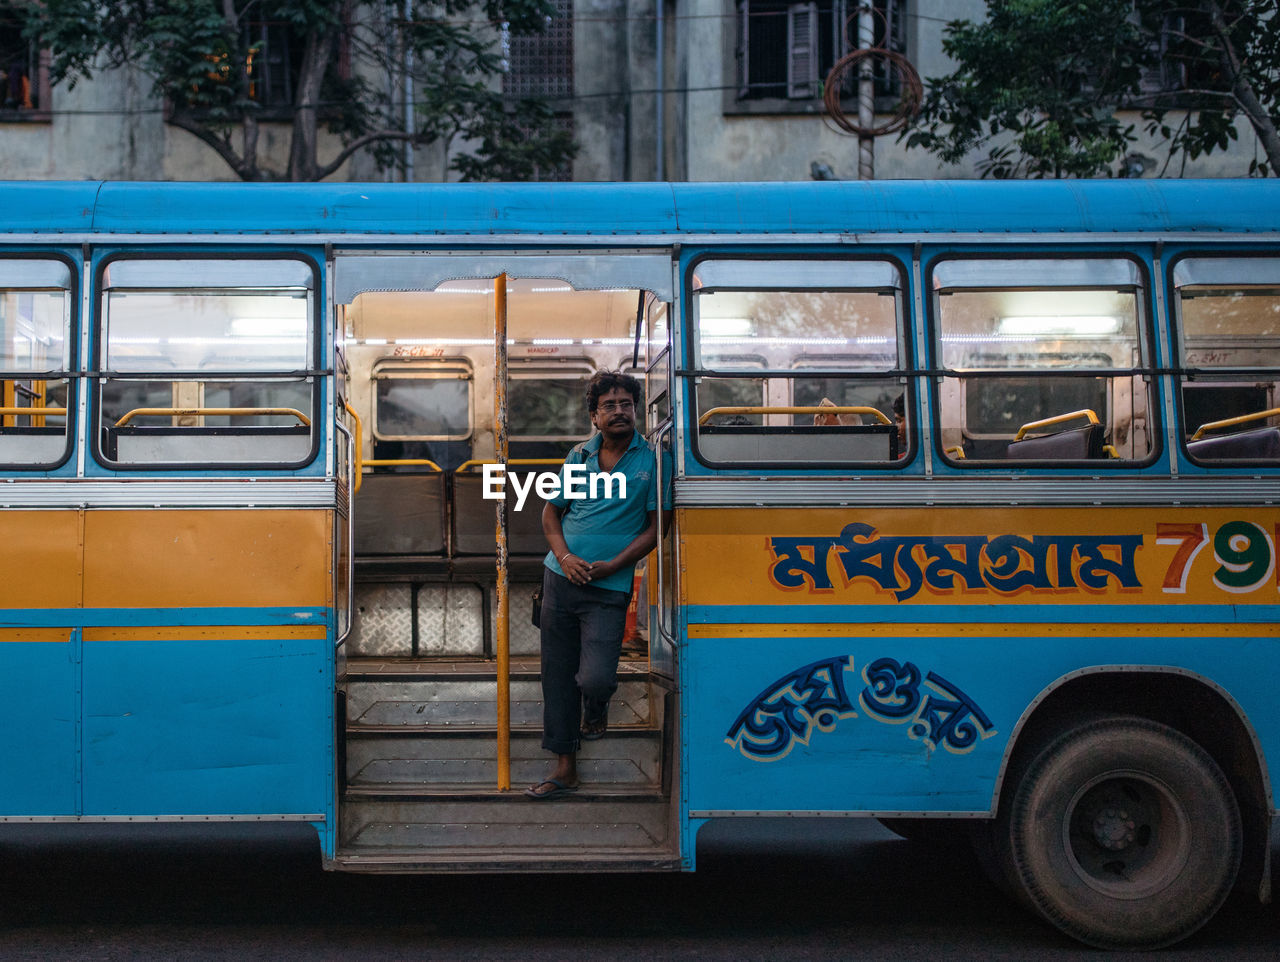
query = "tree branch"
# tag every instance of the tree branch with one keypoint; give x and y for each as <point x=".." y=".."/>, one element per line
<point x="221" y="146"/>
<point x="365" y="141"/>
<point x="1263" y="124"/>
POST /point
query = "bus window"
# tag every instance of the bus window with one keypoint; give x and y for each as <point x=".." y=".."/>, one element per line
<point x="1229" y="314"/>
<point x="35" y="354"/>
<point x="777" y="340"/>
<point x="715" y="393"/>
<point x="657" y="398"/>
<point x="1044" y="360"/>
<point x="422" y="409"/>
<point x="208" y="363"/>
<point x="546" y="407"/>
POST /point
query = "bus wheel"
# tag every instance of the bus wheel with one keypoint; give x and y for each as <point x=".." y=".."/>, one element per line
<point x="934" y="832"/>
<point x="1124" y="833"/>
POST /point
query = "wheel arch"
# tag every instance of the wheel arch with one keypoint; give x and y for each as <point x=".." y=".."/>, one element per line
<point x="1184" y="700"/>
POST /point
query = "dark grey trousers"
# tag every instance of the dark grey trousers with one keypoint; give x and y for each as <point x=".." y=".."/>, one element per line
<point x="582" y="628"/>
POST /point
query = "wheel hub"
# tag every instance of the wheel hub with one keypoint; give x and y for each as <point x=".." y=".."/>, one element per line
<point x="1114" y="829"/>
<point x="1126" y="834"/>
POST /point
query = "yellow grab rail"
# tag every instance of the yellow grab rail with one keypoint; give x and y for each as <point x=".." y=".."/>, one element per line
<point x="955" y="451"/>
<point x="791" y="409"/>
<point x="1232" y="422"/>
<point x="475" y="463"/>
<point x="358" y="468"/>
<point x="396" y="462"/>
<point x="36" y="414"/>
<point x="198" y="412"/>
<point x="1057" y="419"/>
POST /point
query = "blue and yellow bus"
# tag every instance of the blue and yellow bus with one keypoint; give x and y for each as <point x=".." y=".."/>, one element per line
<point x="975" y="521"/>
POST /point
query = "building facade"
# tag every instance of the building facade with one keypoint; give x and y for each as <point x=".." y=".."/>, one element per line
<point x="697" y="90"/>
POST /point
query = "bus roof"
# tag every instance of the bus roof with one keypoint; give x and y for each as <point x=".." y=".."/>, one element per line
<point x="907" y="207"/>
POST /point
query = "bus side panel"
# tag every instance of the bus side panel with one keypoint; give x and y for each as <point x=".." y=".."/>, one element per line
<point x="39" y="583"/>
<point x="227" y="726"/>
<point x="38" y="749"/>
<point x="207" y="662"/>
<point x="879" y="660"/>
<point x="810" y="744"/>
<point x="208" y="559"/>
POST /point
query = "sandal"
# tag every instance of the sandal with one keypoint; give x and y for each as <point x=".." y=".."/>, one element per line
<point x="557" y="788"/>
<point x="594" y="728"/>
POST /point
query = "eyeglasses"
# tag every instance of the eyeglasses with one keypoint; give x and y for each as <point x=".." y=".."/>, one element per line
<point x="609" y="407"/>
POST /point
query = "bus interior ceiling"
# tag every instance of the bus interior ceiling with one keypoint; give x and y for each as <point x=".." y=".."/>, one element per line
<point x="420" y="676"/>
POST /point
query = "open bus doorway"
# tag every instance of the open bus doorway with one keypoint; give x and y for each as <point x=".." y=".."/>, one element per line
<point x="421" y="766"/>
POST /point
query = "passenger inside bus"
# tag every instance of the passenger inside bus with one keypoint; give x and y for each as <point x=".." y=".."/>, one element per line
<point x="829" y="419"/>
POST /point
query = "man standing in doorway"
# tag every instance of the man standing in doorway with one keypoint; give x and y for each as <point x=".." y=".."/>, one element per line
<point x="595" y="543"/>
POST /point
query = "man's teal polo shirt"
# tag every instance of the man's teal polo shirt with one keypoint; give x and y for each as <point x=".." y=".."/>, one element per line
<point x="597" y="529"/>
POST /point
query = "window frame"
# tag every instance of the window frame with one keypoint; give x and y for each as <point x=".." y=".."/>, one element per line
<point x="737" y="56"/>
<point x="566" y="368"/>
<point x="692" y="347"/>
<point x="1144" y="340"/>
<point x="317" y="374"/>
<point x="1231" y="377"/>
<point x="424" y="369"/>
<point x="38" y="60"/>
<point x="71" y="327"/>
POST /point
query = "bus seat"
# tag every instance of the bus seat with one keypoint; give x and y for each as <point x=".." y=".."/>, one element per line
<point x="1262" y="444"/>
<point x="1078" y="444"/>
<point x="400" y="514"/>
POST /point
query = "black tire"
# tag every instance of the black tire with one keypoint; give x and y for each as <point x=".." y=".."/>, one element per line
<point x="990" y="842"/>
<point x="934" y="832"/>
<point x="1124" y="833"/>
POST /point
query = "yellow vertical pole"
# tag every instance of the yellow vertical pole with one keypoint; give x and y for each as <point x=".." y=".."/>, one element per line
<point x="38" y="401"/>
<point x="502" y="639"/>
<point x="7" y="400"/>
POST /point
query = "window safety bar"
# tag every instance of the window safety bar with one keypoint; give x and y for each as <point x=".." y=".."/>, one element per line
<point x="196" y="412"/>
<point x="397" y="462"/>
<point x="472" y="464"/>
<point x="1056" y="419"/>
<point x="1233" y="422"/>
<point x="35" y="413"/>
<point x="791" y="409"/>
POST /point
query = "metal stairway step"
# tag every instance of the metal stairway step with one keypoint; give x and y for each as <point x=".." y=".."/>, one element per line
<point x="579" y="859"/>
<point x="631" y="759"/>
<point x="492" y="825"/>
<point x="438" y="693"/>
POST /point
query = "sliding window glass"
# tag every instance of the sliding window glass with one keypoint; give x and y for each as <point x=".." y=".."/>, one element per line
<point x="1045" y="360"/>
<point x="797" y="361"/>
<point x="1229" y="339"/>
<point x="422" y="410"/>
<point x="547" y="407"/>
<point x="207" y="362"/>
<point x="35" y="361"/>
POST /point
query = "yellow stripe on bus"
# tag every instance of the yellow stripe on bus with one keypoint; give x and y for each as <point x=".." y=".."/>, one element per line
<point x="205" y="633"/>
<point x="984" y="630"/>
<point x="35" y="634"/>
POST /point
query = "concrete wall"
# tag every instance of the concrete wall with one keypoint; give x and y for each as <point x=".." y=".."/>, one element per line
<point x="112" y="127"/>
<point x="721" y="139"/>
